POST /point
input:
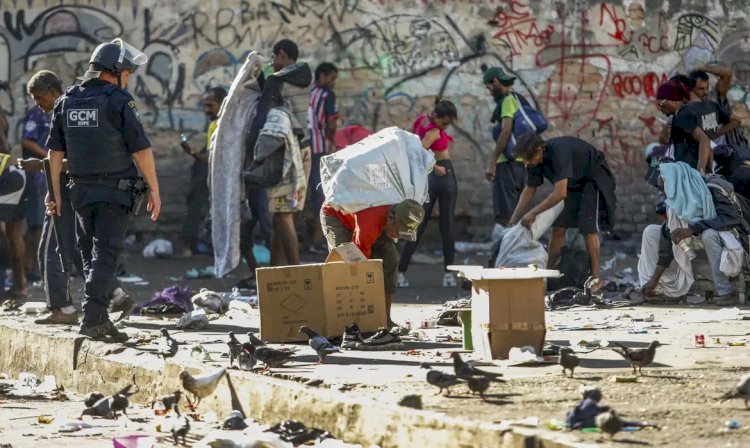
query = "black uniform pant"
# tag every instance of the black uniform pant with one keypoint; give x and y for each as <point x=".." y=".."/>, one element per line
<point x="442" y="189"/>
<point x="100" y="228"/>
<point x="197" y="203"/>
<point x="56" y="287"/>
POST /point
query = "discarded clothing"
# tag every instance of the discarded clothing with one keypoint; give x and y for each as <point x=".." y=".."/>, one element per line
<point x="172" y="300"/>
<point x="279" y="127"/>
<point x="584" y="414"/>
<point x="687" y="193"/>
<point x="210" y="301"/>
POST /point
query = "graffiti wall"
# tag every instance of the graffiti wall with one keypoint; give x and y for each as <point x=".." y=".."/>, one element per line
<point x="592" y="67"/>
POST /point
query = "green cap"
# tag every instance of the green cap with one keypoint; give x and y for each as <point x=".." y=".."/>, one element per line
<point x="409" y="215"/>
<point x="497" y="72"/>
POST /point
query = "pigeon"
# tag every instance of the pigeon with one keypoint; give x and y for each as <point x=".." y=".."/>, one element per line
<point x="167" y="344"/>
<point x="318" y="343"/>
<point x="101" y="408"/>
<point x="638" y="357"/>
<point x="235" y="421"/>
<point x="234" y="348"/>
<point x="202" y="386"/>
<point x="92" y="399"/>
<point x="271" y="357"/>
<point x="246" y="359"/>
<point x="568" y="360"/>
<point x="609" y="423"/>
<point x="177" y="424"/>
<point x="479" y="384"/>
<point x="742" y="390"/>
<point x="255" y="340"/>
<point x="465" y="370"/>
<point x="439" y="379"/>
<point x="120" y="400"/>
<point x="169" y="400"/>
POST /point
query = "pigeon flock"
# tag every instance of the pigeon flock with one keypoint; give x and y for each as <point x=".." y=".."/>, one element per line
<point x="249" y="355"/>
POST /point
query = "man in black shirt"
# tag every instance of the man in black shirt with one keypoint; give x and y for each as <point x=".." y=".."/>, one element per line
<point x="691" y="145"/>
<point x="581" y="178"/>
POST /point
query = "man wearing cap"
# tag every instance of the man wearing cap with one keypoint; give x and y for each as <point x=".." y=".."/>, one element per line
<point x="95" y="125"/>
<point x="374" y="231"/>
<point x="506" y="174"/>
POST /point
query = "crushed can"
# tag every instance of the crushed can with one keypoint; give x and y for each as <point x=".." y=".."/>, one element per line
<point x="700" y="341"/>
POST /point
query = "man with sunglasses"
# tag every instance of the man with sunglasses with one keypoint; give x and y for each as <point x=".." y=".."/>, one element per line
<point x="95" y="125"/>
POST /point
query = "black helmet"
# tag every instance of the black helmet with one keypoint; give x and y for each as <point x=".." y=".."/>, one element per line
<point x="116" y="57"/>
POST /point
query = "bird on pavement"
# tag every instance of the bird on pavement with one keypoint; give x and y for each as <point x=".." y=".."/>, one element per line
<point x="169" y="400"/>
<point x="246" y="358"/>
<point x="568" y="360"/>
<point x="318" y="343"/>
<point x="254" y="339"/>
<point x="742" y="391"/>
<point x="120" y="400"/>
<point x="92" y="399"/>
<point x="609" y="423"/>
<point x="480" y="384"/>
<point x="638" y="357"/>
<point x="168" y="346"/>
<point x="202" y="386"/>
<point x="235" y="421"/>
<point x="101" y="408"/>
<point x="466" y="370"/>
<point x="234" y="348"/>
<point x="440" y="379"/>
<point x="272" y="357"/>
<point x="177" y="424"/>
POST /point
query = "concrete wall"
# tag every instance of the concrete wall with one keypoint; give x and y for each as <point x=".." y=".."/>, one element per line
<point x="592" y="67"/>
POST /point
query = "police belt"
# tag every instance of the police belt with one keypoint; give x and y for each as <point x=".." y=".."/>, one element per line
<point x="119" y="183"/>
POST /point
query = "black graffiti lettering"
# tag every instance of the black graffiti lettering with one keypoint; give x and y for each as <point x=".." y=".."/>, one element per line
<point x="197" y="22"/>
<point x="226" y="33"/>
<point x="248" y="13"/>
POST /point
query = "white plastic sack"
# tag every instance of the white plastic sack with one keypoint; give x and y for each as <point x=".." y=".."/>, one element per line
<point x="383" y="169"/>
<point x="520" y="248"/>
<point x="158" y="248"/>
<point x="731" y="256"/>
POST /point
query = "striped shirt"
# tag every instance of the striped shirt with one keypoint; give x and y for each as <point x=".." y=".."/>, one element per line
<point x="321" y="110"/>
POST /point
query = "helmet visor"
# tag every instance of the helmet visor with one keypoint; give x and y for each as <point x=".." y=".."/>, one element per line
<point x="129" y="55"/>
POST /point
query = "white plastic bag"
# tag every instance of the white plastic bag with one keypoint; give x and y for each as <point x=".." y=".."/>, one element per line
<point x="520" y="248"/>
<point x="383" y="169"/>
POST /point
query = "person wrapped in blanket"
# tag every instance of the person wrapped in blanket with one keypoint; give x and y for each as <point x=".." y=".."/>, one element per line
<point x="703" y="215"/>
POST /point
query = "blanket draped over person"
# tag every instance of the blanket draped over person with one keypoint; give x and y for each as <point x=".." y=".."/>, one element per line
<point x="227" y="160"/>
<point x="279" y="130"/>
<point x="687" y="193"/>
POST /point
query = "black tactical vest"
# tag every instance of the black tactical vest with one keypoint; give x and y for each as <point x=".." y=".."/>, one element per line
<point x="93" y="144"/>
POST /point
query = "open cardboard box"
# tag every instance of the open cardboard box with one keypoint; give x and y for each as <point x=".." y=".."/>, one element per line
<point x="507" y="308"/>
<point x="324" y="296"/>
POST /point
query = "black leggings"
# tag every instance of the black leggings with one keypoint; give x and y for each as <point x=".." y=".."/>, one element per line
<point x="442" y="189"/>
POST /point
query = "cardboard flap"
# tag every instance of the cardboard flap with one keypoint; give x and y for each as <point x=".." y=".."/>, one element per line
<point x="348" y="252"/>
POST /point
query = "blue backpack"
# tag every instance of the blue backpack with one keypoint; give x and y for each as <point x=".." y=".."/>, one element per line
<point x="525" y="120"/>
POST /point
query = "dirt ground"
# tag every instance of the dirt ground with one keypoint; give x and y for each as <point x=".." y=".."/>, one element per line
<point x="679" y="394"/>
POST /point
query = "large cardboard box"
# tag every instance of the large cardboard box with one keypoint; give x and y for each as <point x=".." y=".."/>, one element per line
<point x="507" y="308"/>
<point x="326" y="296"/>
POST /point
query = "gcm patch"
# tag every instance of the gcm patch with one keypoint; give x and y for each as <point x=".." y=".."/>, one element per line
<point x="83" y="118"/>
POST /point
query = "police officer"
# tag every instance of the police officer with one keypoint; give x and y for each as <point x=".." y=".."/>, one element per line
<point x="96" y="126"/>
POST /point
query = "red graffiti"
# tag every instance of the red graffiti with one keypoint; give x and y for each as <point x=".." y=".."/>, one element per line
<point x="636" y="85"/>
<point x="618" y="33"/>
<point x="518" y="28"/>
<point x="618" y="29"/>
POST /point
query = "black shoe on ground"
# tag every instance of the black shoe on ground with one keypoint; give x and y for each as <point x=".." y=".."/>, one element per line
<point x="106" y="332"/>
<point x="352" y="337"/>
<point x="382" y="340"/>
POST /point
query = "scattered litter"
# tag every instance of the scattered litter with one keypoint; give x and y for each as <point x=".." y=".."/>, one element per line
<point x="465" y="246"/>
<point x="199" y="352"/>
<point x="235" y="421"/>
<point x="45" y="419"/>
<point x="130" y="279"/>
<point x="705" y="316"/>
<point x="625" y="379"/>
<point x="526" y="356"/>
<point x="732" y="424"/>
<point x="33" y="307"/>
<point x="609" y="264"/>
<point x="158" y="248"/>
<point x="210" y="301"/>
<point x="593" y="343"/>
<point x="649" y="318"/>
<point x="172" y="300"/>
<point x="194" y="320"/>
<point x="638" y="331"/>
<point x="135" y="441"/>
<point x="207" y="272"/>
<point x="262" y="254"/>
<point x="556" y="425"/>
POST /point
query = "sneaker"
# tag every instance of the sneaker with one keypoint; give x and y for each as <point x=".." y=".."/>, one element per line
<point x="449" y="280"/>
<point x="402" y="281"/>
<point x="121" y="302"/>
<point x="382" y="340"/>
<point x="352" y="337"/>
<point x="105" y="331"/>
<point x="57" y="317"/>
